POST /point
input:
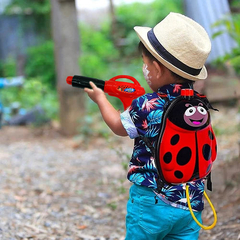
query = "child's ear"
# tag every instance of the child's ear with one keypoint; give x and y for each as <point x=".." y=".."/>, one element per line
<point x="158" y="68"/>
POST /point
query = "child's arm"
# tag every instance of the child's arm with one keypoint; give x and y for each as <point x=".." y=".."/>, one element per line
<point x="110" y="115"/>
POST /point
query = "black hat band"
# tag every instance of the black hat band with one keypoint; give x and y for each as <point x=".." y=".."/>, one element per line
<point x="169" y="57"/>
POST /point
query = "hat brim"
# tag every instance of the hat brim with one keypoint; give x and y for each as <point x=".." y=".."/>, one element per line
<point x="142" y="34"/>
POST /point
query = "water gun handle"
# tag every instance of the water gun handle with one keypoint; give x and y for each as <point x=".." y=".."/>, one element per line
<point x="125" y="91"/>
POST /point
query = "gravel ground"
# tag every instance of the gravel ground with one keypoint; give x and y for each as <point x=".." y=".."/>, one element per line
<point x="62" y="188"/>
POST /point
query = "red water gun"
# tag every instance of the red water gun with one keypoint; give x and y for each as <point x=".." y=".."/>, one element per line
<point x="125" y="91"/>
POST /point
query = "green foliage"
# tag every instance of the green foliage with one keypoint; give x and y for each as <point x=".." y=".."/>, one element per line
<point x="8" y="68"/>
<point x="163" y="8"/>
<point x="131" y="15"/>
<point x="232" y="26"/>
<point x="39" y="86"/>
<point x="40" y="63"/>
<point x="97" y="52"/>
<point x="32" y="93"/>
<point x="35" y="7"/>
<point x="128" y="17"/>
<point x="235" y="3"/>
<point x="38" y="12"/>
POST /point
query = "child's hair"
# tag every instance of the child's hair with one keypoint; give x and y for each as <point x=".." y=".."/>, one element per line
<point x="143" y="49"/>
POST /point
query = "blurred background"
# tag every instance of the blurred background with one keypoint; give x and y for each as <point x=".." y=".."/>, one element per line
<point x="43" y="42"/>
<point x="45" y="121"/>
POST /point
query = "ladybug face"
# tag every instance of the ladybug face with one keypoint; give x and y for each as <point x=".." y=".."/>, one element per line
<point x="195" y="116"/>
<point x="190" y="115"/>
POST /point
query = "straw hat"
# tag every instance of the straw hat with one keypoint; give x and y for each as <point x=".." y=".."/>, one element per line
<point x="179" y="43"/>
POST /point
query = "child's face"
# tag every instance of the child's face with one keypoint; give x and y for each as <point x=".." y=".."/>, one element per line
<point x="149" y="72"/>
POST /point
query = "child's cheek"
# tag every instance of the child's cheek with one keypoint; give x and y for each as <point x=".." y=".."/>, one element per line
<point x="146" y="74"/>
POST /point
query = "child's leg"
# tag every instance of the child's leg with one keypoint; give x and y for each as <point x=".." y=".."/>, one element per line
<point x="147" y="217"/>
<point x="185" y="228"/>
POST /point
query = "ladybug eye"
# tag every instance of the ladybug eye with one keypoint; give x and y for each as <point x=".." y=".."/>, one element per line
<point x="190" y="111"/>
<point x="202" y="110"/>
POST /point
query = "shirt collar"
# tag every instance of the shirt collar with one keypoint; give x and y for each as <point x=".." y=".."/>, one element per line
<point x="174" y="89"/>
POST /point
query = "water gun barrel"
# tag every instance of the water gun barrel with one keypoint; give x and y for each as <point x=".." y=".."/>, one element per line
<point x="83" y="82"/>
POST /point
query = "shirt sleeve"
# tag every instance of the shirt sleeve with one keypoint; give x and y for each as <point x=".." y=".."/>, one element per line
<point x="128" y="124"/>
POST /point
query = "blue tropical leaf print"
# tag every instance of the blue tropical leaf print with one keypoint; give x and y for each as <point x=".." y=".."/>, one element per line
<point x="136" y="178"/>
<point x="193" y="195"/>
<point x="147" y="174"/>
<point x="136" y="152"/>
<point x="153" y="183"/>
<point x="193" y="200"/>
<point x="149" y="166"/>
<point x="134" y="115"/>
<point x="147" y="148"/>
<point x="152" y="132"/>
<point x="155" y="117"/>
<point x="170" y="97"/>
<point x="138" y="103"/>
<point x="200" y="186"/>
<point x="195" y="203"/>
<point x="182" y="194"/>
<point x="160" y="103"/>
<point x="169" y="192"/>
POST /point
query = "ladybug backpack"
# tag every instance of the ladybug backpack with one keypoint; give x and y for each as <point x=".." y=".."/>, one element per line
<point x="186" y="145"/>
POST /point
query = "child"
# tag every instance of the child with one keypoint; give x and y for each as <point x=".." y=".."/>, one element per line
<point x="174" y="53"/>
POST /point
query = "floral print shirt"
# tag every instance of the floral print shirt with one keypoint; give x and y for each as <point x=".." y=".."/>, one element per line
<point x="143" y="118"/>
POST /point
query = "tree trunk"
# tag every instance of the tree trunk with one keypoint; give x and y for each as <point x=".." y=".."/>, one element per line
<point x="66" y="41"/>
<point x="113" y="24"/>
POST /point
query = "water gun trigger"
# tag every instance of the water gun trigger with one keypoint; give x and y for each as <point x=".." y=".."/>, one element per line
<point x="134" y="80"/>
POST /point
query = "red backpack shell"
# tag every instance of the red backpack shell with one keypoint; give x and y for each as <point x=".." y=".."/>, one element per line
<point x="186" y="147"/>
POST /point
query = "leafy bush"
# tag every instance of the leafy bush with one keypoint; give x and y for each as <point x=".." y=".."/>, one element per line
<point x="34" y="11"/>
<point x="97" y="52"/>
<point x="232" y="26"/>
<point x="8" y="68"/>
<point x="126" y="20"/>
<point x="32" y="93"/>
<point x="40" y="63"/>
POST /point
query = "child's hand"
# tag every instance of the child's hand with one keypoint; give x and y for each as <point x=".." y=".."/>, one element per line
<point x="96" y="94"/>
<point x="110" y="115"/>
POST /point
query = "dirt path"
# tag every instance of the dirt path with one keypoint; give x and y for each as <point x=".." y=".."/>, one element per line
<point x="57" y="188"/>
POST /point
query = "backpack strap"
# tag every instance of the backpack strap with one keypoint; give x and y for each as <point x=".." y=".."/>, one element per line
<point x="149" y="144"/>
<point x="160" y="182"/>
<point x="209" y="182"/>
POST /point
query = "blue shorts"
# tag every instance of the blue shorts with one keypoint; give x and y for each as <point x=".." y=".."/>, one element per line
<point x="148" y="217"/>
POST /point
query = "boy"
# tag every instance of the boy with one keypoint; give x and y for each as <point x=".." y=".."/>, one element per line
<point x="174" y="53"/>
